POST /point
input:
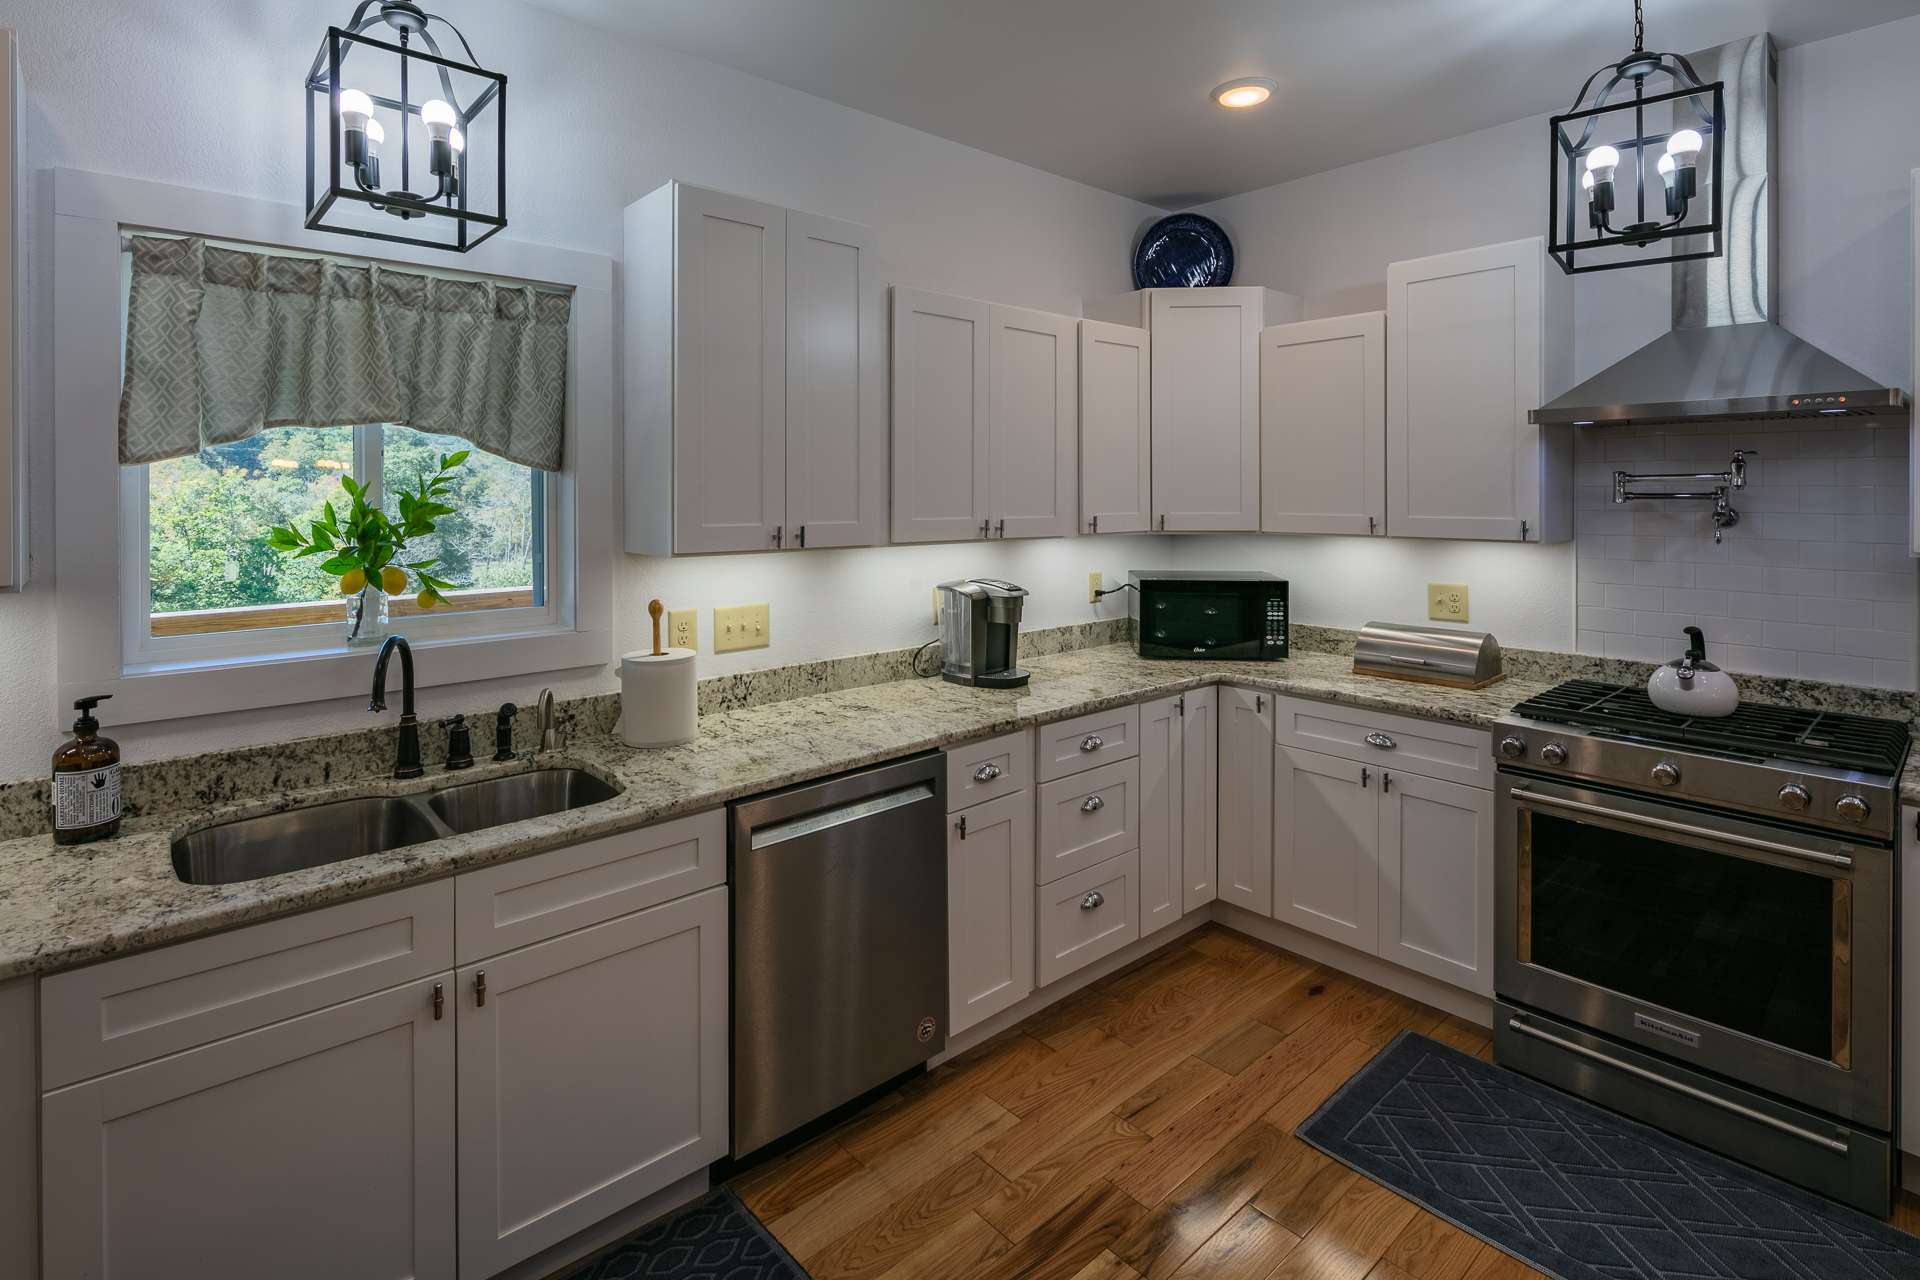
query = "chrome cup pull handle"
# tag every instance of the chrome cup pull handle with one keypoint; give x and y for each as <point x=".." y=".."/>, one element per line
<point x="1093" y="901"/>
<point x="1092" y="804"/>
<point x="1092" y="742"/>
<point x="986" y="773"/>
<point x="1381" y="740"/>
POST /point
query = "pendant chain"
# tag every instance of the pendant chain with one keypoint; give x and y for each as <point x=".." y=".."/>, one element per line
<point x="1639" y="29"/>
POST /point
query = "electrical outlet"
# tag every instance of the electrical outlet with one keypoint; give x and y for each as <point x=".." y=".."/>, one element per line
<point x="683" y="629"/>
<point x="740" y="626"/>
<point x="1447" y="601"/>
<point x="1095" y="581"/>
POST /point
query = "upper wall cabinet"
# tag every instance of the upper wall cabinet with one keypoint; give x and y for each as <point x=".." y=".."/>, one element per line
<point x="1475" y="340"/>
<point x="985" y="420"/>
<point x="754" y="401"/>
<point x="13" y="425"/>
<point x="1116" y="428"/>
<point x="1205" y="398"/>
<point x="1323" y="434"/>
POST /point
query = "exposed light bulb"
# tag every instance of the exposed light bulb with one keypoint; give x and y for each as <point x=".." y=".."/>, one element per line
<point x="438" y="117"/>
<point x="1684" y="146"/>
<point x="1666" y="166"/>
<point x="1601" y="162"/>
<point x="356" y="108"/>
<point x="456" y="139"/>
<point x="1586" y="181"/>
<point x="376" y="134"/>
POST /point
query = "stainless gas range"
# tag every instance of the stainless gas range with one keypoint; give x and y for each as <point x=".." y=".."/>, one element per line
<point x="1698" y="924"/>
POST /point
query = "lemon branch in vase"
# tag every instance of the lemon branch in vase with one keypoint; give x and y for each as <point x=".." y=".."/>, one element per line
<point x="366" y="550"/>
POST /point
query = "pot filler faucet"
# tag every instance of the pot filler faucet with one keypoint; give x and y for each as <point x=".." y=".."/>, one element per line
<point x="406" y="762"/>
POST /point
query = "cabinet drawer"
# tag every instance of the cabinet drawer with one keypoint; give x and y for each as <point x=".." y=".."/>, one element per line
<point x="1087" y="915"/>
<point x="502" y="907"/>
<point x="115" y="1014"/>
<point x="1449" y="752"/>
<point x="1087" y="742"/>
<point x="1087" y="818"/>
<point x="983" y="771"/>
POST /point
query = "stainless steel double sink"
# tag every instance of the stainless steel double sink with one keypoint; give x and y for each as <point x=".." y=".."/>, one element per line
<point x="295" y="839"/>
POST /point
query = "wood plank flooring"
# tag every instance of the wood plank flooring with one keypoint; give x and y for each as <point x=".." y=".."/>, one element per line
<point x="1141" y="1129"/>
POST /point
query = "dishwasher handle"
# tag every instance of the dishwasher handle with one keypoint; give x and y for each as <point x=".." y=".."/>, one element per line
<point x="820" y="820"/>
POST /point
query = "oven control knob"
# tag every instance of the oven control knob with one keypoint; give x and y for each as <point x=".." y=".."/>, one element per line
<point x="1513" y="748"/>
<point x="1851" y="808"/>
<point x="1667" y="773"/>
<point x="1553" y="753"/>
<point x="1795" y="797"/>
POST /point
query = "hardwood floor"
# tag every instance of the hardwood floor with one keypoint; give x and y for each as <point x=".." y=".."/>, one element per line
<point x="1141" y="1129"/>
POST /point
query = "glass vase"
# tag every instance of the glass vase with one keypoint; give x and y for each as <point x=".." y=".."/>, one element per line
<point x="368" y="619"/>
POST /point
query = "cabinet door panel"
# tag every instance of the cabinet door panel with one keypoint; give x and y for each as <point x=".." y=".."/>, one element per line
<point x="324" y="1143"/>
<point x="1087" y="818"/>
<point x="1326" y="847"/>
<point x="1087" y="916"/>
<point x="551" y="1141"/>
<point x="1323" y="430"/>
<point x="1116" y="428"/>
<point x="1162" y="814"/>
<point x="939" y="417"/>
<point x="1032" y="423"/>
<point x="989" y="909"/>
<point x="1436" y="879"/>
<point x="729" y="357"/>
<point x="1200" y="811"/>
<point x="1246" y="799"/>
<point x="1206" y="410"/>
<point x="836" y="445"/>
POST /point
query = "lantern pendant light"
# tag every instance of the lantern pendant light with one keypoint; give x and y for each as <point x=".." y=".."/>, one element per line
<point x="368" y="124"/>
<point x="1649" y="109"/>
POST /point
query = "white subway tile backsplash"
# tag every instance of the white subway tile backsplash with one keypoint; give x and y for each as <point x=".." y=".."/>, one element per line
<point x="1871" y="528"/>
<point x="1874" y="644"/>
<point x="1836" y="498"/>
<point x="1893" y="675"/>
<point x="1806" y="637"/>
<point x="1595" y="618"/>
<point x="1891" y="442"/>
<point x="1837" y="612"/>
<point x="1860" y="471"/>
<point x="1759" y="661"/>
<point x="1836" y="668"/>
<point x="1598" y="569"/>
<point x="1801" y="471"/>
<point x="1874" y="586"/>
<point x="1894" y="615"/>
<point x="1800" y="582"/>
<point x="1731" y="577"/>
<point x="1696" y="600"/>
<point x="1663" y="573"/>
<point x="1749" y="631"/>
<point x="1748" y="604"/>
<point x="1625" y="596"/>
<point x="1800" y="526"/>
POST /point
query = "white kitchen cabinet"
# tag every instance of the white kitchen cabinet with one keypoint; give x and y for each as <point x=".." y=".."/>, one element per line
<point x="1326" y="846"/>
<point x="1200" y="851"/>
<point x="754" y="400"/>
<point x="551" y="1142"/>
<point x="940" y="346"/>
<point x="13" y="420"/>
<point x="324" y="1143"/>
<point x="1179" y="850"/>
<point x="1086" y="818"/>
<point x="1475" y="341"/>
<point x="1323" y="426"/>
<point x="1033" y="381"/>
<point x="1087" y="916"/>
<point x="1246" y="799"/>
<point x="990" y="900"/>
<point x="1116" y="428"/>
<point x="1436" y="879"/>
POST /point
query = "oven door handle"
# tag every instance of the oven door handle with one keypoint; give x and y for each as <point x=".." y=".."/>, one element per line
<point x="1699" y="1095"/>
<point x="1682" y="828"/>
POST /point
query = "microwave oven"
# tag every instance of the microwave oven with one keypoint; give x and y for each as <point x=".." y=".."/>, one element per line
<point x="1185" y="613"/>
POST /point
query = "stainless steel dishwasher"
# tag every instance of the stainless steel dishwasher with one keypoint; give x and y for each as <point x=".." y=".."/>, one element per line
<point x="839" y="941"/>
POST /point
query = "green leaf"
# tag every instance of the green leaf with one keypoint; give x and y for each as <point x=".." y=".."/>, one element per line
<point x="342" y="563"/>
<point x="423" y="564"/>
<point x="347" y="483"/>
<point x="453" y="460"/>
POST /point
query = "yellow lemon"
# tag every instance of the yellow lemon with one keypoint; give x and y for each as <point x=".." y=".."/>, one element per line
<point x="351" y="582"/>
<point x="393" y="581"/>
<point x="425" y="600"/>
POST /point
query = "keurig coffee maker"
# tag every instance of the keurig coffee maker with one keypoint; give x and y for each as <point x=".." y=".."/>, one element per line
<point x="980" y="633"/>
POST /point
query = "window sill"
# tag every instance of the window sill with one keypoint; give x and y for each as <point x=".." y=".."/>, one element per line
<point x="173" y="691"/>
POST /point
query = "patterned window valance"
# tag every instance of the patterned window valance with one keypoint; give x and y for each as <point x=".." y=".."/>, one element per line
<point x="222" y="343"/>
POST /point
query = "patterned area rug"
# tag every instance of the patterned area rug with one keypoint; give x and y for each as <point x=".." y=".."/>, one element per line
<point x="714" y="1238"/>
<point x="1582" y="1193"/>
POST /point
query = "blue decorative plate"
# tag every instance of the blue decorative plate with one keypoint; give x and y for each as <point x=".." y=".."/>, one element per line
<point x="1183" y="251"/>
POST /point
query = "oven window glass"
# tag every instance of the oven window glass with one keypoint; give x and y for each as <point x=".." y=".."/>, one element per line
<point x="1206" y="621"/>
<point x="1739" y="944"/>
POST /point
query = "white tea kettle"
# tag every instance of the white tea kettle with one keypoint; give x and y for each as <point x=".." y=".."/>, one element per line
<point x="1692" y="686"/>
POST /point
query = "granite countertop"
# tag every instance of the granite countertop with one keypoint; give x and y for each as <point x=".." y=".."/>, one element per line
<point x="62" y="906"/>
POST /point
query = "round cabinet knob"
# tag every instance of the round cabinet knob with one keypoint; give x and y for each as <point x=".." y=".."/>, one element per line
<point x="1795" y="797"/>
<point x="1513" y="748"/>
<point x="1852" y="808"/>
<point x="1666" y="773"/>
<point x="986" y="772"/>
<point x="1092" y="742"/>
<point x="1553" y="753"/>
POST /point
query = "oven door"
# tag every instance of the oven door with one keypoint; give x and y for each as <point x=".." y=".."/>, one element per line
<point x="1760" y="954"/>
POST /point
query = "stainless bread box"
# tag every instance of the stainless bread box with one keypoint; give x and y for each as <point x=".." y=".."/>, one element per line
<point x="1458" y="659"/>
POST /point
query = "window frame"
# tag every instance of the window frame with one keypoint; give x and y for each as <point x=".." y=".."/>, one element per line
<point x="98" y="510"/>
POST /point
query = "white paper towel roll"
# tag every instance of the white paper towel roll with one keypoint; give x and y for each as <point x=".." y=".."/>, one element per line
<point x="659" y="703"/>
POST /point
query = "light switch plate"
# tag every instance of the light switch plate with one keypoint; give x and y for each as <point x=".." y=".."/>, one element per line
<point x="1447" y="601"/>
<point x="683" y="629"/>
<point x="740" y="626"/>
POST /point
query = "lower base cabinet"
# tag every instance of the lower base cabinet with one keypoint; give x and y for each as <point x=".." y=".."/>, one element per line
<point x="1179" y="847"/>
<point x="311" y="1149"/>
<point x="1326" y="846"/>
<point x="989" y="909"/>
<point x="1087" y="916"/>
<point x="593" y="1071"/>
<point x="1246" y="799"/>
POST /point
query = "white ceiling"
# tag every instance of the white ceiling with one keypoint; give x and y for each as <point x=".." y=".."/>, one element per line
<point x="1114" y="92"/>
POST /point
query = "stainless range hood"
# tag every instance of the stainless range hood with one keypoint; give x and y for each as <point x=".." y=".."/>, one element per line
<point x="1727" y="357"/>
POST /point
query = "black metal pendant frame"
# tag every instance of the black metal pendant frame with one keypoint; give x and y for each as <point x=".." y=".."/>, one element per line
<point x="1567" y="152"/>
<point x="450" y="200"/>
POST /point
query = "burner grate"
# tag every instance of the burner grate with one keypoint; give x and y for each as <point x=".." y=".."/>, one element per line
<point x="1825" y="738"/>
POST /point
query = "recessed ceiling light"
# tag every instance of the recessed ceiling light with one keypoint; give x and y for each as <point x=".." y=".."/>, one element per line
<point x="1249" y="91"/>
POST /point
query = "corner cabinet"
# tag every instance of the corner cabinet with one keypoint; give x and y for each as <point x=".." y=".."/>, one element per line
<point x="754" y="377"/>
<point x="1179" y="845"/>
<point x="1323" y="431"/>
<point x="1475" y="341"/>
<point x="1116" y="428"/>
<point x="1246" y="799"/>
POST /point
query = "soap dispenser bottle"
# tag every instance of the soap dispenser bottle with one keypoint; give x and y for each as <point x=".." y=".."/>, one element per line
<point x="86" y="780"/>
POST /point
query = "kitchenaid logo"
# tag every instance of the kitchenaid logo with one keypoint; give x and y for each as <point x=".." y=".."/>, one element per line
<point x="1680" y="1035"/>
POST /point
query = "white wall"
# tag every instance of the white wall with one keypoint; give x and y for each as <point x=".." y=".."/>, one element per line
<point x="209" y="96"/>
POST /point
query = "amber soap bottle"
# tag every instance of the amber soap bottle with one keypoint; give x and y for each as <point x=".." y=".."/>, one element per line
<point x="86" y="780"/>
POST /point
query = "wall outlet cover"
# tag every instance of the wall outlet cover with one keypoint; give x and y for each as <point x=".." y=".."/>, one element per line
<point x="1447" y="601"/>
<point x="740" y="626"/>
<point x="1095" y="581"/>
<point x="683" y="628"/>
